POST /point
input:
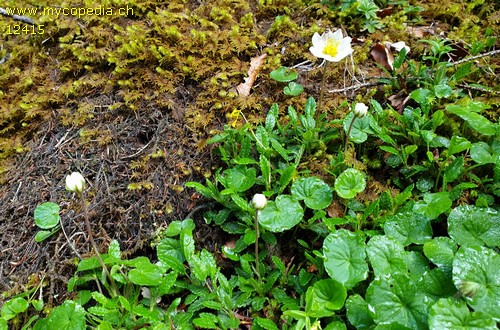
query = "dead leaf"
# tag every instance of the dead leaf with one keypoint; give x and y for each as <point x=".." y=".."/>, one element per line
<point x="255" y="65"/>
<point x="382" y="56"/>
<point x="420" y="32"/>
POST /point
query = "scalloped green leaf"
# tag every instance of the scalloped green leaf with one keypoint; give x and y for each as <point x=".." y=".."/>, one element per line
<point x="408" y="228"/>
<point x="451" y="313"/>
<point x="325" y="297"/>
<point x="315" y="193"/>
<point x="476" y="275"/>
<point x="386" y="255"/>
<point x="441" y="251"/>
<point x="283" y="74"/>
<point x="282" y="214"/>
<point x="349" y="183"/>
<point x="47" y="215"/>
<point x="345" y="257"/>
<point x="397" y="297"/>
<point x="471" y="225"/>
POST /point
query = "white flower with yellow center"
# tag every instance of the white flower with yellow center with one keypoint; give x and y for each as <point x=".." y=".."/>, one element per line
<point x="331" y="46"/>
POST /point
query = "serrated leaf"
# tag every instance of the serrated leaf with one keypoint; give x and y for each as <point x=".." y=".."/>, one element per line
<point x="265" y="323"/>
<point x="481" y="153"/>
<point x="344" y="257"/>
<point x="454" y="170"/>
<point x="146" y="274"/>
<point x="471" y="225"/>
<point x="479" y="123"/>
<point x="69" y="315"/>
<point x="315" y="193"/>
<point x="458" y="144"/>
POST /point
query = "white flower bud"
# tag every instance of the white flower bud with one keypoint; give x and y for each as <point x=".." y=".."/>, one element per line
<point x="259" y="201"/>
<point x="360" y="110"/>
<point x="75" y="182"/>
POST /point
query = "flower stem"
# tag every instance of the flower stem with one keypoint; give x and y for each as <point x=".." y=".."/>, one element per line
<point x="321" y="88"/>
<point x="94" y="245"/>
<point x="348" y="134"/>
<point x="257" y="263"/>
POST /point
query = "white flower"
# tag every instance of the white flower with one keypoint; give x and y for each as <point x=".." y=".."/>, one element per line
<point x="397" y="46"/>
<point x="259" y="201"/>
<point x="360" y="110"/>
<point x="75" y="182"/>
<point x="331" y="46"/>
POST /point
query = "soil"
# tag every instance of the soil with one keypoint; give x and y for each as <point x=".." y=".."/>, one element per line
<point x="131" y="214"/>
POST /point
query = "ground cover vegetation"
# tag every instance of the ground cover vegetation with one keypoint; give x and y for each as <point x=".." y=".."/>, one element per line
<point x="252" y="164"/>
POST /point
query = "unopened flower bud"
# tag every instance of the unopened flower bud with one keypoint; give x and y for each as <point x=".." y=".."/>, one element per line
<point x="75" y="182"/>
<point x="360" y="110"/>
<point x="259" y="201"/>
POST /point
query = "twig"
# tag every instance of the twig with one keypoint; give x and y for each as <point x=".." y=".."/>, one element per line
<point x="472" y="58"/>
<point x="19" y="18"/>
<point x="358" y="86"/>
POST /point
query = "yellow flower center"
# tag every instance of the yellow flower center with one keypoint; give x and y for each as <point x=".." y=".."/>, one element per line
<point x="331" y="47"/>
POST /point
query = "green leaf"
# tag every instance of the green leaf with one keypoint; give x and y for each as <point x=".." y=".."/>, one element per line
<point x="480" y="152"/>
<point x="13" y="307"/>
<point x="67" y="316"/>
<point x="169" y="247"/>
<point x="442" y="90"/>
<point x="358" y="313"/>
<point x="396" y="297"/>
<point x="441" y="251"/>
<point x="293" y="89"/>
<point x="479" y="123"/>
<point x="283" y="74"/>
<point x="349" y="183"/>
<point x="206" y="321"/>
<point x="315" y="193"/>
<point x="325" y="297"/>
<point x="437" y="283"/>
<point x="272" y="117"/>
<point x="360" y="128"/>
<point x="404" y="196"/>
<point x="282" y="214"/>
<point x="201" y="189"/>
<point x="47" y="215"/>
<point x="433" y="205"/>
<point x="471" y="225"/>
<point x="44" y="234"/>
<point x="265" y="168"/>
<point x="476" y="275"/>
<point x="239" y="178"/>
<point x="386" y="255"/>
<point x="344" y="257"/>
<point x="451" y="313"/>
<point x="265" y="323"/>
<point x="454" y="170"/>
<point x="458" y="144"/>
<point x="146" y="273"/>
<point x="408" y="227"/>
